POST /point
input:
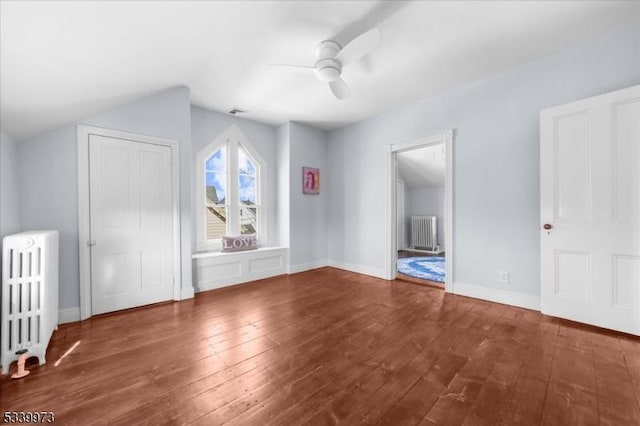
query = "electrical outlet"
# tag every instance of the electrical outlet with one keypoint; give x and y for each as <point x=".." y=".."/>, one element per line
<point x="504" y="277"/>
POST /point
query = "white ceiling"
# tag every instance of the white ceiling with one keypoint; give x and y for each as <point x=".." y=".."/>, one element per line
<point x="61" y="61"/>
<point x="422" y="167"/>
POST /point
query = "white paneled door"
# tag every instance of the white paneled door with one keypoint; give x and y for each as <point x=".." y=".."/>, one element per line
<point x="590" y="210"/>
<point x="131" y="223"/>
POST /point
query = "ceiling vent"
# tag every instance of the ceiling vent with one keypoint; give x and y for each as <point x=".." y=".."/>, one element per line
<point x="235" y="111"/>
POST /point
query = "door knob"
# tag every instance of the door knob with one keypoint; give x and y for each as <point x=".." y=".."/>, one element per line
<point x="547" y="226"/>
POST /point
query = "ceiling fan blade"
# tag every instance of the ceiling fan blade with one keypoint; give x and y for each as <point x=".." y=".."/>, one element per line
<point x="292" y="68"/>
<point x="359" y="46"/>
<point x="340" y="89"/>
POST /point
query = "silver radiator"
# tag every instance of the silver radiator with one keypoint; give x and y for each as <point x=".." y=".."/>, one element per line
<point x="424" y="233"/>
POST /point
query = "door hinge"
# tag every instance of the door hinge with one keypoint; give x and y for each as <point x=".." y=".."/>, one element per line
<point x="91" y="243"/>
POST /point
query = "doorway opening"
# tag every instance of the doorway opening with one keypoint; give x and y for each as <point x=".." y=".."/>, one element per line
<point x="420" y="211"/>
<point x="420" y="215"/>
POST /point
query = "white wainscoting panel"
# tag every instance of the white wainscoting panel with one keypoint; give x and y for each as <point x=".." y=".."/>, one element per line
<point x="217" y="270"/>
<point x="266" y="264"/>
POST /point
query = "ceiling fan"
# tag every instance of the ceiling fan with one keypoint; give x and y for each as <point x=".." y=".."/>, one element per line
<point x="331" y="57"/>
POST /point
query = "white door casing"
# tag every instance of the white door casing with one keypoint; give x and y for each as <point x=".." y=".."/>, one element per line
<point x="590" y="198"/>
<point x="129" y="213"/>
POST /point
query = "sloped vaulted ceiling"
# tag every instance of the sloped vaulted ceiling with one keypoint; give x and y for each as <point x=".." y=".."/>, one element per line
<point x="61" y="61"/>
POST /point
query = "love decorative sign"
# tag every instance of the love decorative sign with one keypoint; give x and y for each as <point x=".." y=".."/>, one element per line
<point x="239" y="243"/>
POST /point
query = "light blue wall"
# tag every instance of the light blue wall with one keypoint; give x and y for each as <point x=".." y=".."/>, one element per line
<point x="48" y="173"/>
<point x="495" y="155"/>
<point x="9" y="198"/>
<point x="308" y="213"/>
<point x="207" y="125"/>
<point x="295" y="220"/>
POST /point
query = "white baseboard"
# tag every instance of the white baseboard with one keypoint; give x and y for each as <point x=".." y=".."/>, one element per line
<point x="295" y="269"/>
<point x="187" y="293"/>
<point x="497" y="295"/>
<point x="73" y="314"/>
<point x="68" y="315"/>
<point x="214" y="286"/>
<point x="360" y="269"/>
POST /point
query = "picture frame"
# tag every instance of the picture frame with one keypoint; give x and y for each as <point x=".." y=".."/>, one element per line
<point x="310" y="180"/>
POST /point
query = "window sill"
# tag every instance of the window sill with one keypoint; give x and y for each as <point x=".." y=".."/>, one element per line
<point x="216" y="253"/>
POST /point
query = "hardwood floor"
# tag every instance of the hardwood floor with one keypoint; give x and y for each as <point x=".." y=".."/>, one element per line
<point x="329" y="346"/>
<point x="420" y="281"/>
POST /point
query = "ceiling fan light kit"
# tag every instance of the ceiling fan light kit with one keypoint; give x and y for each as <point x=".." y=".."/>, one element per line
<point x="328" y="70"/>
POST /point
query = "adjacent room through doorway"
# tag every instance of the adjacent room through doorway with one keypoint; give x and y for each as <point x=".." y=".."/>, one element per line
<point x="420" y="215"/>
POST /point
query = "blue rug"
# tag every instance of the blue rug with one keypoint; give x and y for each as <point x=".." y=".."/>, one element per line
<point x="427" y="268"/>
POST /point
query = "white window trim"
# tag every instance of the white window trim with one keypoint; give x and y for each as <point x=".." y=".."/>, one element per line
<point x="233" y="136"/>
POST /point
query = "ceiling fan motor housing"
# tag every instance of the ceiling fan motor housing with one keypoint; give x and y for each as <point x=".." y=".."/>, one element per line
<point x="327" y="68"/>
<point x="327" y="49"/>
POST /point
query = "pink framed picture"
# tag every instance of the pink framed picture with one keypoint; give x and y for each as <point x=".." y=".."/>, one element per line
<point x="310" y="180"/>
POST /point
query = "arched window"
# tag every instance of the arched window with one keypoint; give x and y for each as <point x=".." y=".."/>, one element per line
<point x="230" y="190"/>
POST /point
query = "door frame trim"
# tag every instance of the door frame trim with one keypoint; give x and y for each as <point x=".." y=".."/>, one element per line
<point x="84" y="216"/>
<point x="391" y="252"/>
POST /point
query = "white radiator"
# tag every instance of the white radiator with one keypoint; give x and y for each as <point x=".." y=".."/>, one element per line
<point x="29" y="307"/>
<point x="424" y="233"/>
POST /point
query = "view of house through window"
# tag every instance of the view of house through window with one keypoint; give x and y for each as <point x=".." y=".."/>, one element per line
<point x="219" y="202"/>
<point x="216" y="179"/>
<point x="247" y="193"/>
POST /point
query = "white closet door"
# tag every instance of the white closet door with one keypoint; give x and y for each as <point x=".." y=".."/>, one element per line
<point x="131" y="224"/>
<point x="590" y="200"/>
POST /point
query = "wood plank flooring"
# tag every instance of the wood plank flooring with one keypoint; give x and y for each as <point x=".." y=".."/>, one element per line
<point x="328" y="347"/>
<point x="420" y="281"/>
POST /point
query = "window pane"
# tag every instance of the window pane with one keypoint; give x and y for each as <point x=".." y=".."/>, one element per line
<point x="249" y="219"/>
<point x="245" y="164"/>
<point x="215" y="177"/>
<point x="218" y="161"/>
<point x="216" y="219"/>
<point x="216" y="187"/>
<point x="247" y="190"/>
<point x="246" y="178"/>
